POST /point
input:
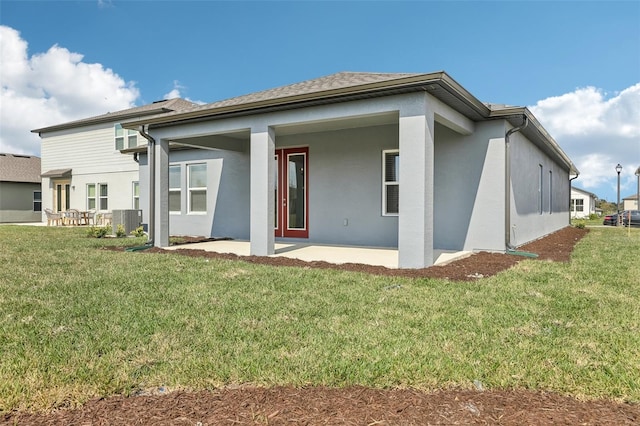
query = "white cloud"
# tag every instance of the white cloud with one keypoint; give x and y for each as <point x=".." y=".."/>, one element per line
<point x="51" y="88"/>
<point x="597" y="131"/>
<point x="176" y="92"/>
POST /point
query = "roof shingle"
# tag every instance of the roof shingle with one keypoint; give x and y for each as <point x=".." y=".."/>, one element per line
<point x="159" y="107"/>
<point x="19" y="168"/>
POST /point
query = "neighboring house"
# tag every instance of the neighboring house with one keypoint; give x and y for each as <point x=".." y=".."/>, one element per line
<point x="630" y="203"/>
<point x="82" y="167"/>
<point x="583" y="203"/>
<point x="412" y="161"/>
<point x="20" y="189"/>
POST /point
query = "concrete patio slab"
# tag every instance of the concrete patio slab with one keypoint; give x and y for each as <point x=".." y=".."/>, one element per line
<point x="377" y="256"/>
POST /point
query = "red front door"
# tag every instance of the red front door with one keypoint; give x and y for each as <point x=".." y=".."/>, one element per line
<point x="292" y="193"/>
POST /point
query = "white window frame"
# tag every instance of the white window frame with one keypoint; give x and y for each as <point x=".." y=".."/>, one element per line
<point x="135" y="197"/>
<point x="550" y="192"/>
<point x="386" y="184"/>
<point x="37" y="199"/>
<point x="101" y="197"/>
<point x="191" y="189"/>
<point x="94" y="198"/>
<point x="540" y="191"/>
<point x="118" y="138"/>
<point x="126" y="139"/>
<point x="176" y="189"/>
<point x="132" y="138"/>
<point x="579" y="205"/>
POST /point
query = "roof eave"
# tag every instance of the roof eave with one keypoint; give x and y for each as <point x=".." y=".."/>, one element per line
<point x="513" y="113"/>
<point x="100" y="120"/>
<point x="418" y="82"/>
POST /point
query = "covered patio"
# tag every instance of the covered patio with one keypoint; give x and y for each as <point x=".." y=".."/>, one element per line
<point x="338" y="254"/>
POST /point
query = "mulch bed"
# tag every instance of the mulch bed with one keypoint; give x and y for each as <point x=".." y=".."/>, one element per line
<point x="556" y="247"/>
<point x="348" y="406"/>
<point x="280" y="405"/>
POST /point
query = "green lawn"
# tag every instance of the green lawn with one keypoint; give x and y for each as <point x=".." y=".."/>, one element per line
<point x="77" y="322"/>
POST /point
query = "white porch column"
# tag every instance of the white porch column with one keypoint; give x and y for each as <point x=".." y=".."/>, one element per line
<point x="262" y="192"/>
<point x="415" y="221"/>
<point x="161" y="219"/>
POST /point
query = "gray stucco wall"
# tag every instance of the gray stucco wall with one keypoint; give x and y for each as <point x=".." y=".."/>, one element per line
<point x="345" y="184"/>
<point x="227" y="194"/>
<point x="527" y="222"/>
<point x="16" y="202"/>
<point x="469" y="188"/>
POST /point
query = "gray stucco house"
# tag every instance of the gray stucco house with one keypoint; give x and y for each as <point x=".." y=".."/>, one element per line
<point x="409" y="161"/>
<point x="20" y="189"/>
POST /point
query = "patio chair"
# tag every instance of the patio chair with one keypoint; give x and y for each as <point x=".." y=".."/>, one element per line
<point x="55" y="218"/>
<point x="90" y="217"/>
<point x="72" y="217"/>
<point x="107" y="218"/>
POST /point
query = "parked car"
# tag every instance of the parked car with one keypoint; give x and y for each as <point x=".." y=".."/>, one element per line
<point x="634" y="215"/>
<point x="611" y="219"/>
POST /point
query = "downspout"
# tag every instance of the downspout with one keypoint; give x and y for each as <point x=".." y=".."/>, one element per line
<point x="571" y="180"/>
<point x="152" y="183"/>
<point x="507" y="184"/>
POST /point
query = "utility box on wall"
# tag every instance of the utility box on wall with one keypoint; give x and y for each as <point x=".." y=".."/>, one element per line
<point x="130" y="219"/>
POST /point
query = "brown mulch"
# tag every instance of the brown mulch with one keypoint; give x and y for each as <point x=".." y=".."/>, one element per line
<point x="556" y="247"/>
<point x="280" y="405"/>
<point x="348" y="406"/>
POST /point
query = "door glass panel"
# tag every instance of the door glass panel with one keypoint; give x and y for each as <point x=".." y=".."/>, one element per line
<point x="58" y="198"/>
<point x="296" y="198"/>
<point x="67" y="197"/>
<point x="277" y="202"/>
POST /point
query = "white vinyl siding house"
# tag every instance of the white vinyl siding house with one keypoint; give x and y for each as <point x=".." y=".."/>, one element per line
<point x="408" y="161"/>
<point x="583" y="203"/>
<point x="82" y="166"/>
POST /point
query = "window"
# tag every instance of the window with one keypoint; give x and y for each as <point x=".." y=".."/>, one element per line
<point x="390" y="182"/>
<point x="91" y="196"/>
<point x="174" y="189"/>
<point x="130" y="135"/>
<point x="103" y="196"/>
<point x="540" y="183"/>
<point x="579" y="205"/>
<point x="136" y="195"/>
<point x="550" y="192"/>
<point x="37" y="201"/>
<point x="119" y="137"/>
<point x="197" y="187"/>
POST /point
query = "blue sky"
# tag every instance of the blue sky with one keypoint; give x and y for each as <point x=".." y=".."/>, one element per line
<point x="575" y="63"/>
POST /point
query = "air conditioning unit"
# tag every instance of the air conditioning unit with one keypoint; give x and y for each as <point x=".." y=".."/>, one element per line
<point x="130" y="219"/>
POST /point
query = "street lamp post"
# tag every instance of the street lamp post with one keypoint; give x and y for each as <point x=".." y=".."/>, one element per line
<point x="638" y="192"/>
<point x="618" y="169"/>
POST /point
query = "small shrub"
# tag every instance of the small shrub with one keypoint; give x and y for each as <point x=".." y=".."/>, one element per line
<point x="120" y="231"/>
<point x="580" y="224"/>
<point x="98" y="231"/>
<point x="138" y="232"/>
<point x="593" y="216"/>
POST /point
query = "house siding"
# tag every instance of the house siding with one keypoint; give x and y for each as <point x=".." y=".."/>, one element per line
<point x="345" y="185"/>
<point x="16" y="203"/>
<point x="527" y="222"/>
<point x="589" y="206"/>
<point x="90" y="153"/>
<point x="227" y="194"/>
<point x="469" y="188"/>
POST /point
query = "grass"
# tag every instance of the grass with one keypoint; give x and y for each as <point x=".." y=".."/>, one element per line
<point x="77" y="322"/>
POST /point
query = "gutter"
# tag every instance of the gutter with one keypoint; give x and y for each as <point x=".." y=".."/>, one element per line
<point x="507" y="182"/>
<point x="152" y="183"/>
<point x="571" y="180"/>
